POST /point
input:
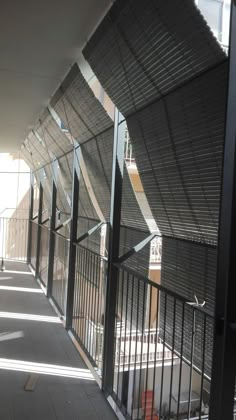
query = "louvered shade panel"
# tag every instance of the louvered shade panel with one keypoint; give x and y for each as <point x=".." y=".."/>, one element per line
<point x="65" y="172"/>
<point x="189" y="269"/>
<point x="66" y="167"/>
<point x="46" y="205"/>
<point x="85" y="118"/>
<point x="129" y="237"/>
<point x="164" y="70"/>
<point x="86" y="208"/>
<point x="97" y="155"/>
<point x="153" y="65"/>
<point x="132" y="231"/>
<point x="179" y="147"/>
<point x="95" y="133"/>
<point x="79" y="109"/>
<point x="87" y="219"/>
<point x="92" y="242"/>
<point x="47" y="186"/>
<point x="54" y="138"/>
<point x="39" y="152"/>
<point x="61" y="200"/>
<point x="143" y="50"/>
<point x="27" y="156"/>
<point x="131" y="214"/>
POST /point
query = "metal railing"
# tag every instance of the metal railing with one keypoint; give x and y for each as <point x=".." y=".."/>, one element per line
<point x="162" y="353"/>
<point x="43" y="254"/>
<point x="88" y="309"/>
<point x="137" y="337"/>
<point x="162" y="344"/>
<point x="13" y="239"/>
<point x="34" y="235"/>
<point x="60" y="271"/>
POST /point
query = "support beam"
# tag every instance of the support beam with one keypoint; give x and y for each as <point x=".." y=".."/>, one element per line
<point x="113" y="254"/>
<point x="31" y="209"/>
<point x="73" y="238"/>
<point x="52" y="230"/>
<point x="224" y="360"/>
<point x="39" y="229"/>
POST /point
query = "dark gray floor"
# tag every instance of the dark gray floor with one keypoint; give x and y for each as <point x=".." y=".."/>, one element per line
<point x="34" y="341"/>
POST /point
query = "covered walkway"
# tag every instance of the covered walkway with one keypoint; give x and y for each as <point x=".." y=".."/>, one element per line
<point x="42" y="376"/>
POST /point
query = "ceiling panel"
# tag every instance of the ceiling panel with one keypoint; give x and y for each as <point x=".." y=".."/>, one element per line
<point x="39" y="42"/>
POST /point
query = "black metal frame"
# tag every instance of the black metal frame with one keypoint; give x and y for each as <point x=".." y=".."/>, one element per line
<point x="73" y="237"/>
<point x="113" y="253"/>
<point x="224" y="366"/>
<point x="52" y="230"/>
<point x="40" y="209"/>
<point x="31" y="205"/>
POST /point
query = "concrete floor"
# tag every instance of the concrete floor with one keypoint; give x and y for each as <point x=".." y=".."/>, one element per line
<point x="28" y="344"/>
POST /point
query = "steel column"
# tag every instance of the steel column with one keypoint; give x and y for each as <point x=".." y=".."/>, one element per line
<point x="113" y="253"/>
<point x="224" y="360"/>
<point x="31" y="209"/>
<point x="52" y="229"/>
<point x="73" y="238"/>
<point x="39" y="228"/>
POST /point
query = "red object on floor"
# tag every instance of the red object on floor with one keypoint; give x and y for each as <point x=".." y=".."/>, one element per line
<point x="148" y="406"/>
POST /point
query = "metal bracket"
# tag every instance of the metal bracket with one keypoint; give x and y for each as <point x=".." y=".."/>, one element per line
<point x="45" y="221"/>
<point x="89" y="232"/>
<point x="136" y="248"/>
<point x="63" y="224"/>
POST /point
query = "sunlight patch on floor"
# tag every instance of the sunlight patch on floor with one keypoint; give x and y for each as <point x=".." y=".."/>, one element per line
<point x="46" y="369"/>
<point x="21" y="289"/>
<point x="18" y="272"/>
<point x="30" y="317"/>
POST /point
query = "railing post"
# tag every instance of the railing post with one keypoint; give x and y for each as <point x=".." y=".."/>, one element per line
<point x="31" y="209"/>
<point x="113" y="253"/>
<point x="39" y="228"/>
<point x="224" y="352"/>
<point x="73" y="238"/>
<point x="52" y="229"/>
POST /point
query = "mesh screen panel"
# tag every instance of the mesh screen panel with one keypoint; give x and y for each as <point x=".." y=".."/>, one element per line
<point x="54" y="138"/>
<point x="154" y="69"/>
<point x="189" y="269"/>
<point x="141" y="53"/>
<point x="165" y="71"/>
<point x="83" y="115"/>
<point x="79" y="109"/>
<point x="179" y="147"/>
<point x="39" y="152"/>
<point x="27" y="156"/>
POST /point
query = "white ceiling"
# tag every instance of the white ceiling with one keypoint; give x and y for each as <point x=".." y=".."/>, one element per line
<point x="39" y="41"/>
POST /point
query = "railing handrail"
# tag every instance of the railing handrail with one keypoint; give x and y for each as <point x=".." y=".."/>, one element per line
<point x="175" y="295"/>
<point x="91" y="251"/>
